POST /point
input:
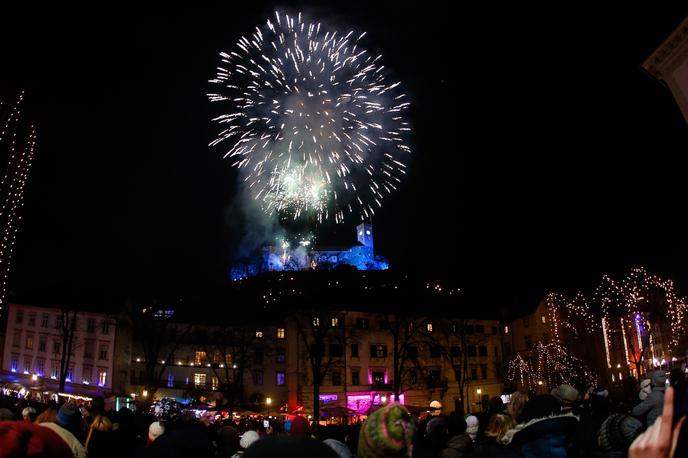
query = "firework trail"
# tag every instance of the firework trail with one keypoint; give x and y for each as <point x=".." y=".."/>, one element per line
<point x="312" y="121"/>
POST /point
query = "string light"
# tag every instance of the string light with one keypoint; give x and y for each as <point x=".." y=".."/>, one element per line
<point x="17" y="142"/>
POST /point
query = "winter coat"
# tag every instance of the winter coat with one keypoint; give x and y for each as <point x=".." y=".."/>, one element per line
<point x="490" y="448"/>
<point x="102" y="445"/>
<point x="182" y="442"/>
<point x="547" y="437"/>
<point x="652" y="405"/>
<point x="70" y="439"/>
<point x="457" y="446"/>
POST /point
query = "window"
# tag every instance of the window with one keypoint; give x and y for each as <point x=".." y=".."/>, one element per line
<point x="20" y="317"/>
<point x="428" y="326"/>
<point x="355" y="377"/>
<point x="56" y="346"/>
<point x="433" y="377"/>
<point x="482" y="350"/>
<point x="14" y="364"/>
<point x="378" y="351"/>
<point x="16" y="342"/>
<point x="435" y="351"/>
<point x="474" y="373"/>
<point x="362" y="323"/>
<point x="105" y="327"/>
<point x="32" y="319"/>
<point x="413" y="377"/>
<point x="316" y="322"/>
<point x="483" y="371"/>
<point x="214" y="383"/>
<point x="334" y="322"/>
<point x="170" y="380"/>
<point x="526" y="322"/>
<point x="455" y="351"/>
<point x="91" y="325"/>
<point x="199" y="380"/>
<point x="378" y="378"/>
<point x="506" y="329"/>
<point x="58" y="322"/>
<point x="89" y="346"/>
<point x="42" y="342"/>
<point x="54" y="370"/>
<point x="336" y="378"/>
<point x="27" y="365"/>
<point x="336" y="350"/>
<point x="258" y="355"/>
<point x="102" y="377"/>
<point x="40" y="366"/>
<point x="86" y="373"/>
<point x="470" y="329"/>
<point x="280" y="355"/>
<point x="70" y="374"/>
<point x="354" y="350"/>
<point x="479" y="329"/>
<point x="280" y="333"/>
<point x="280" y="378"/>
<point x="45" y="320"/>
<point x="384" y="324"/>
<point x="257" y="377"/>
<point x="412" y="352"/>
<point x="259" y="334"/>
<point x="217" y="357"/>
<point x="199" y="357"/>
<point x="103" y="352"/>
<point x="495" y="330"/>
<point x="529" y="342"/>
<point x="543" y="318"/>
<point x="472" y="351"/>
<point x="29" y="342"/>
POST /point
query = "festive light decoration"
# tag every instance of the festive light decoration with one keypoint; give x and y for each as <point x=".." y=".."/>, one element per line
<point x="17" y="142"/>
<point x="314" y="123"/>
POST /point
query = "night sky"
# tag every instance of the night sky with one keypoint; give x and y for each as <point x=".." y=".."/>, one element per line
<point x="544" y="155"/>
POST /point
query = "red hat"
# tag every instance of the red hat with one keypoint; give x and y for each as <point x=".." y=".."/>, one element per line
<point x="24" y="439"/>
<point x="300" y="427"/>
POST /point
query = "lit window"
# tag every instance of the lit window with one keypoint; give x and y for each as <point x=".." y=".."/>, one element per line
<point x="199" y="380"/>
<point x="543" y="318"/>
<point x="280" y="333"/>
<point x="335" y="322"/>
<point x="316" y="322"/>
<point x="105" y="327"/>
<point x="429" y="327"/>
<point x="214" y="383"/>
<point x="29" y="342"/>
<point x="170" y="380"/>
<point x="102" y="377"/>
<point x="199" y="357"/>
<point x="506" y="329"/>
<point x="259" y="334"/>
<point x="280" y="378"/>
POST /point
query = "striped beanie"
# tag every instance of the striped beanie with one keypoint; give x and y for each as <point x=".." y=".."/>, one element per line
<point x="617" y="432"/>
<point x="387" y="432"/>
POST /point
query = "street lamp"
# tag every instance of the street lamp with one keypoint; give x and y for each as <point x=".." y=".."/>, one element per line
<point x="268" y="401"/>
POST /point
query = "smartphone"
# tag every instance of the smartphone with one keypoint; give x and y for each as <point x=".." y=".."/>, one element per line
<point x="677" y="380"/>
<point x="266" y="424"/>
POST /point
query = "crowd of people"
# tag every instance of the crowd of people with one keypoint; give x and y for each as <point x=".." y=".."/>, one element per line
<point x="564" y="423"/>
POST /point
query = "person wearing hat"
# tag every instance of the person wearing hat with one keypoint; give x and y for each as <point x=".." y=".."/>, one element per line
<point x="652" y="405"/>
<point x="617" y="433"/>
<point x="67" y="423"/>
<point x="566" y="395"/>
<point x="29" y="414"/>
<point x="21" y="438"/>
<point x="388" y="432"/>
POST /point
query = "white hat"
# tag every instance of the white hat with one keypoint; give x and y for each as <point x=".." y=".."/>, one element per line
<point x="155" y="430"/>
<point x="28" y="411"/>
<point x="248" y="438"/>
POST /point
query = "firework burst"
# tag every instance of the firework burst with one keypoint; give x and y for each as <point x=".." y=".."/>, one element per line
<point x="312" y="120"/>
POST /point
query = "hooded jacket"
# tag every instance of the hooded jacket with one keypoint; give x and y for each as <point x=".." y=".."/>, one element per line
<point x="654" y="402"/>
<point x="543" y="437"/>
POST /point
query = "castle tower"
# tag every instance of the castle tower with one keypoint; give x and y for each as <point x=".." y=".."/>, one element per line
<point x="364" y="234"/>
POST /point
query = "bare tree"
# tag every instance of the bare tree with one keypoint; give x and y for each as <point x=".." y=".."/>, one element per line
<point x="67" y="324"/>
<point x="407" y="333"/>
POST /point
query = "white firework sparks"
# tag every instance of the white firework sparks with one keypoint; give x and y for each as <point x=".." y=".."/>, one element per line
<point x="313" y="122"/>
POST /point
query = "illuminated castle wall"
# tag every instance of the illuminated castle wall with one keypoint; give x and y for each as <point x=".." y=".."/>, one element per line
<point x="273" y="258"/>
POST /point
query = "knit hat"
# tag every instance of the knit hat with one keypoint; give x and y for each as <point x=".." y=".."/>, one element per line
<point x="339" y="447"/>
<point x="21" y="438"/>
<point x="618" y="432"/>
<point x="155" y="430"/>
<point x="472" y="425"/>
<point x="166" y="409"/>
<point x="300" y="427"/>
<point x="248" y="438"/>
<point x="566" y="394"/>
<point x="28" y="411"/>
<point x="69" y="416"/>
<point x="387" y="433"/>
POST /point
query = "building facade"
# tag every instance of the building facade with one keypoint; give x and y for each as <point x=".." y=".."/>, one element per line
<point x="33" y="350"/>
